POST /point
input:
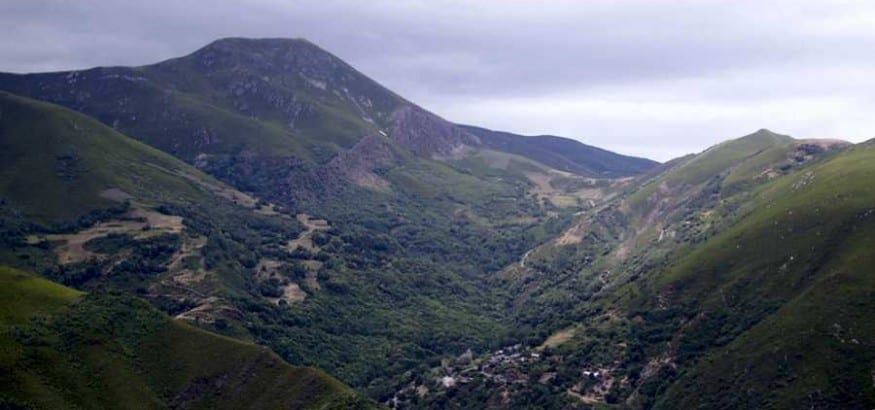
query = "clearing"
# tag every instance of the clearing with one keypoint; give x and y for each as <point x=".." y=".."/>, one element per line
<point x="305" y="239"/>
<point x="140" y="223"/>
<point x="558" y="338"/>
<point x="291" y="293"/>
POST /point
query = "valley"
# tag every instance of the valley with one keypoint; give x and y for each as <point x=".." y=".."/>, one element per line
<point x="266" y="201"/>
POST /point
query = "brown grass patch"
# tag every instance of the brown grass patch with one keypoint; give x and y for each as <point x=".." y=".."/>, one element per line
<point x="562" y="198"/>
<point x="291" y="293"/>
<point x="190" y="247"/>
<point x="558" y="338"/>
<point x="305" y="239"/>
<point x="116" y="194"/>
<point x="140" y="223"/>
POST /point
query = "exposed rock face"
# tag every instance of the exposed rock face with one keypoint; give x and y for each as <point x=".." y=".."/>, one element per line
<point x="428" y="135"/>
<point x="359" y="164"/>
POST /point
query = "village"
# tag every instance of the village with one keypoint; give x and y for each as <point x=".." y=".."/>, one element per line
<point x="509" y="369"/>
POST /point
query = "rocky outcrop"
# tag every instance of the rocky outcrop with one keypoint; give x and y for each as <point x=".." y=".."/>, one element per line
<point x="428" y="135"/>
<point x="360" y="164"/>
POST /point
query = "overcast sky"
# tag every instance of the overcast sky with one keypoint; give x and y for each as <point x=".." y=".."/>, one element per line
<point x="645" y="77"/>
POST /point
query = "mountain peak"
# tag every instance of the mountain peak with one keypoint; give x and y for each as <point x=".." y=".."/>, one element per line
<point x="765" y="132"/>
<point x="252" y="44"/>
<point x="264" y="54"/>
<point x="765" y="135"/>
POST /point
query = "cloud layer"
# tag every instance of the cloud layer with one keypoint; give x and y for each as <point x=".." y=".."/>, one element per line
<point x="645" y="77"/>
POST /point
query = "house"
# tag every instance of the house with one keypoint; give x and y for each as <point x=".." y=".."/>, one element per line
<point x="448" y="381"/>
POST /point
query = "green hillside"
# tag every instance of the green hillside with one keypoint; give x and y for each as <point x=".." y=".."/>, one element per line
<point x="147" y="224"/>
<point x="799" y="268"/>
<point x="419" y="215"/>
<point x="736" y="161"/>
<point x="62" y="349"/>
<point x="727" y="155"/>
<point x="705" y="295"/>
<point x="646" y="220"/>
<point x="59" y="165"/>
<point x="426" y="264"/>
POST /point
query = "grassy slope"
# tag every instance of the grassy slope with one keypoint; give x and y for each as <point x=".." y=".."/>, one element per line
<point x="72" y="159"/>
<point x="65" y="350"/>
<point x="728" y="154"/>
<point x="737" y="158"/>
<point x="801" y="264"/>
<point x="36" y="132"/>
<point x="684" y="197"/>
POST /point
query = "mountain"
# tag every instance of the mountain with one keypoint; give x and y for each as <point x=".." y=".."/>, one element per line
<point x="67" y="179"/>
<point x="564" y="154"/>
<point x="395" y="213"/>
<point x="243" y="105"/>
<point x="63" y="349"/>
<point x="277" y="196"/>
<point x="679" y="204"/>
<point x="262" y="97"/>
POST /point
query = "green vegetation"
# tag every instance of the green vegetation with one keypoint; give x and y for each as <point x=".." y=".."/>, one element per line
<point x="798" y="268"/>
<point x="79" y="165"/>
<point x="65" y="350"/>
<point x="380" y="243"/>
<point x="422" y="249"/>
<point x="765" y="308"/>
<point x="724" y="156"/>
<point x="26" y="295"/>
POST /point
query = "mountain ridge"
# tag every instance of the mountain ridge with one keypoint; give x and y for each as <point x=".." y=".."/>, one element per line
<point x="293" y="82"/>
<point x="564" y="154"/>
